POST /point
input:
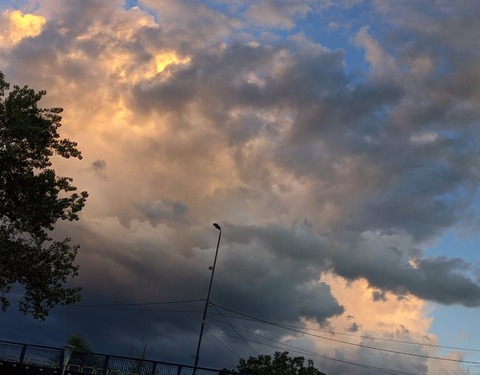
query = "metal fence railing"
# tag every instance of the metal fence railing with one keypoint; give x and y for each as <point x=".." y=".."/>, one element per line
<point x="92" y="363"/>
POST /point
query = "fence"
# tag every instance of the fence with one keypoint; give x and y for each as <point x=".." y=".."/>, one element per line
<point x="93" y="363"/>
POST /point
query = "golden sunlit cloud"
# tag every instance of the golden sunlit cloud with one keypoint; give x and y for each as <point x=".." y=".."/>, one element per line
<point x="387" y="313"/>
<point x="373" y="313"/>
<point x="165" y="59"/>
<point x="123" y="66"/>
<point x="19" y="26"/>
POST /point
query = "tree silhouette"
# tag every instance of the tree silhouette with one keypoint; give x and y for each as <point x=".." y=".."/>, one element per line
<point x="280" y="364"/>
<point x="32" y="199"/>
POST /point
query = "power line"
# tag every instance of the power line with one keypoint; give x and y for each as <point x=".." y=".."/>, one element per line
<point x="132" y="306"/>
<point x="214" y="329"/>
<point x="234" y="329"/>
<point x="120" y="305"/>
<point x="332" y="332"/>
<point x="137" y="303"/>
<point x="302" y="330"/>
<point x="350" y="343"/>
<point x="312" y="354"/>
<point x="147" y="310"/>
<point x="386" y="339"/>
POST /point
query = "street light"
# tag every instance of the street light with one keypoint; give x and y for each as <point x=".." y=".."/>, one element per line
<point x="197" y="357"/>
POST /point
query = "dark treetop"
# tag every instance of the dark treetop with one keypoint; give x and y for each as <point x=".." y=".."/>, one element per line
<point x="32" y="199"/>
<point x="280" y="364"/>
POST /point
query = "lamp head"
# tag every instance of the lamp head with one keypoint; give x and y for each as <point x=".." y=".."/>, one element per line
<point x="217" y="226"/>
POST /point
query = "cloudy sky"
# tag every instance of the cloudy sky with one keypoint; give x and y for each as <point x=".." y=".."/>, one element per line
<point x="335" y="142"/>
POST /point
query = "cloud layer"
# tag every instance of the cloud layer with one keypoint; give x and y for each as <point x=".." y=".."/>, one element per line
<point x="189" y="113"/>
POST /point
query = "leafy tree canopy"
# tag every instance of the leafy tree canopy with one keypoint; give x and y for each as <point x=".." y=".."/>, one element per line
<point x="280" y="364"/>
<point x="79" y="342"/>
<point x="32" y="199"/>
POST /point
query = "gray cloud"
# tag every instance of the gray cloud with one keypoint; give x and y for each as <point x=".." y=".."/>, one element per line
<point x="379" y="296"/>
<point x="99" y="167"/>
<point x="353" y="327"/>
<point x="281" y="15"/>
<point x="165" y="209"/>
<point x="385" y="262"/>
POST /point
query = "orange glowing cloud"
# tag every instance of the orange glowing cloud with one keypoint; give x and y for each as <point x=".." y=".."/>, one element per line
<point x="123" y="65"/>
<point x="399" y="323"/>
<point x="18" y="26"/>
<point x="397" y="319"/>
<point x="388" y="312"/>
<point x="164" y="59"/>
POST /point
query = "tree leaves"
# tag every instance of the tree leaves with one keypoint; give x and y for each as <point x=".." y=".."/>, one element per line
<point x="280" y="364"/>
<point x="32" y="199"/>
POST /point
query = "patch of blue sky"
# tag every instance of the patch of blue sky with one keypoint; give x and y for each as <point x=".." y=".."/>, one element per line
<point x="336" y="28"/>
<point x="15" y="4"/>
<point x="131" y="4"/>
<point x="453" y="324"/>
<point x="456" y="243"/>
<point x="228" y="7"/>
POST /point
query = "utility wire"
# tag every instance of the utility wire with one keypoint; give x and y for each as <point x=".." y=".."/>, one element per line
<point x="350" y="343"/>
<point x="386" y="339"/>
<point x="214" y="329"/>
<point x="312" y="354"/>
<point x="136" y="304"/>
<point x="250" y="318"/>
<point x="120" y="306"/>
<point x="132" y="306"/>
<point x="148" y="310"/>
<point x="234" y="329"/>
<point x="298" y="350"/>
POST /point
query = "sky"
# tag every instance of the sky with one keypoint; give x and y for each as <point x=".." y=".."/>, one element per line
<point x="335" y="142"/>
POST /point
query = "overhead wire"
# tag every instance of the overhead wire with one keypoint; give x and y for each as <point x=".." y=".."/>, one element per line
<point x="387" y="339"/>
<point x="214" y="329"/>
<point x="233" y="328"/>
<point x="302" y="330"/>
<point x="120" y="306"/>
<point x="297" y="350"/>
<point x="350" y="343"/>
<point x="132" y="306"/>
<point x="214" y="332"/>
<point x="138" y="303"/>
<point x="376" y="338"/>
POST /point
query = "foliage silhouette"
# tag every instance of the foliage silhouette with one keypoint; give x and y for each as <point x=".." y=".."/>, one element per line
<point x="32" y="199"/>
<point x="280" y="364"/>
<point x="78" y="341"/>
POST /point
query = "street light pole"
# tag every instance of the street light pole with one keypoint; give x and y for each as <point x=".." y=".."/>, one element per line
<point x="197" y="357"/>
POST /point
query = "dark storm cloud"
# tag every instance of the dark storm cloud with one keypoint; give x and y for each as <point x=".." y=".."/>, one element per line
<point x="165" y="209"/>
<point x="139" y="264"/>
<point x="385" y="262"/>
<point x="251" y="277"/>
<point x="442" y="280"/>
<point x="277" y="288"/>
